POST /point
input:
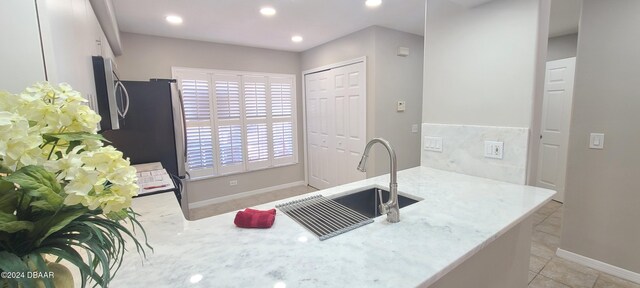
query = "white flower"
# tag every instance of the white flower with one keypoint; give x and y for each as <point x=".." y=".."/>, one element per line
<point x="18" y="147"/>
<point x="82" y="182"/>
<point x="68" y="165"/>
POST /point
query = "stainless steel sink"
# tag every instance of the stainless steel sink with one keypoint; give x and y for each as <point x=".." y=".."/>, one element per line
<point x="329" y="217"/>
<point x="367" y="201"/>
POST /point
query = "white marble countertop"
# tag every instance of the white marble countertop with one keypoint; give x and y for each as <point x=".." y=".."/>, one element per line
<point x="459" y="216"/>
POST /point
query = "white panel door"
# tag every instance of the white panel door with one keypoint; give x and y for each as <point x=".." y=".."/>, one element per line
<point x="317" y="102"/>
<point x="351" y="122"/>
<point x="336" y="124"/>
<point x="556" y="116"/>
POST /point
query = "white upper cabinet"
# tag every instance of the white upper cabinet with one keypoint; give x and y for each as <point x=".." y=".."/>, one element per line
<point x="59" y="50"/>
<point x="21" y="55"/>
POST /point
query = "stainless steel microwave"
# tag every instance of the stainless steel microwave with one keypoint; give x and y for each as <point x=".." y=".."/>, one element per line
<point x="111" y="95"/>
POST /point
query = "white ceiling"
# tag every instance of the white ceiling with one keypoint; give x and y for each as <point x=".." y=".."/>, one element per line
<point x="239" y="21"/>
<point x="565" y="16"/>
<point x="318" y="21"/>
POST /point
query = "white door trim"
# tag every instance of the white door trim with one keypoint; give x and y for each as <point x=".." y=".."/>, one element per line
<point x="362" y="59"/>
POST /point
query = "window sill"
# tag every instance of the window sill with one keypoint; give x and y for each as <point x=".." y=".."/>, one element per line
<point x="239" y="173"/>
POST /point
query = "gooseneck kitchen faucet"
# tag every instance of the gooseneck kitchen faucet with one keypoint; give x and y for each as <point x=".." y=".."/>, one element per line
<point x="391" y="207"/>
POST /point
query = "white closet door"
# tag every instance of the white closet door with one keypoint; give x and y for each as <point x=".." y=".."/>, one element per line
<point x="336" y="125"/>
<point x="317" y="102"/>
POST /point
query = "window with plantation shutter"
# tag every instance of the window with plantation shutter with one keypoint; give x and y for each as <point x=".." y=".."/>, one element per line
<point x="228" y="118"/>
<point x="237" y="121"/>
<point x="194" y="89"/>
<point x="283" y="119"/>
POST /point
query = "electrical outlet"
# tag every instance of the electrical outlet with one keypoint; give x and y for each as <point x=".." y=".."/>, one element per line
<point x="233" y="182"/>
<point x="400" y="106"/>
<point x="432" y="143"/>
<point x="493" y="149"/>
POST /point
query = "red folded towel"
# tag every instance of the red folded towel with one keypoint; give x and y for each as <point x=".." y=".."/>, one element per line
<point x="251" y="218"/>
<point x="251" y="211"/>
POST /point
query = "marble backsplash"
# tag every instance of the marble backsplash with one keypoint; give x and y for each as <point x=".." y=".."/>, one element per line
<point x="463" y="151"/>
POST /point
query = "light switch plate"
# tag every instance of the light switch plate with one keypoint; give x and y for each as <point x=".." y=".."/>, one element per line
<point x="596" y="141"/>
<point x="401" y="106"/>
<point x="432" y="143"/>
<point x="493" y="149"/>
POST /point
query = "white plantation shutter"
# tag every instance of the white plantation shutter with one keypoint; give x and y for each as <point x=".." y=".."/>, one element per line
<point x="282" y="139"/>
<point x="255" y="97"/>
<point x="283" y="127"/>
<point x="281" y="98"/>
<point x="195" y="92"/>
<point x="230" y="141"/>
<point x="237" y="121"/>
<point x="228" y="118"/>
<point x="256" y="121"/>
<point x="257" y="143"/>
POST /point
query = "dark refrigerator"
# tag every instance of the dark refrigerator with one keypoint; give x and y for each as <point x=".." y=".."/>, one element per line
<point x="153" y="128"/>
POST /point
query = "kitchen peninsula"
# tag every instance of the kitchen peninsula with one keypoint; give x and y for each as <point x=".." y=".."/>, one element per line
<point x="466" y="231"/>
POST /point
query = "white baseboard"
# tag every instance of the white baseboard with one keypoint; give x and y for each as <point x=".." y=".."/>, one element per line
<point x="600" y="266"/>
<point x="244" y="194"/>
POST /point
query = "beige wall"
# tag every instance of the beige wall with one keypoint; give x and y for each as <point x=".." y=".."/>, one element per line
<point x="398" y="78"/>
<point x="602" y="207"/>
<point x="562" y="47"/>
<point x="480" y="63"/>
<point x="502" y="263"/>
<point x="147" y="57"/>
<point x="389" y="78"/>
<point x="485" y="65"/>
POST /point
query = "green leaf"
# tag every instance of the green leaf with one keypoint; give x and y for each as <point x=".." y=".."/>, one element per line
<point x="43" y="205"/>
<point x="9" y="223"/>
<point x="8" y="197"/>
<point x="39" y="183"/>
<point x="11" y="263"/>
<point x="60" y="220"/>
<point x="119" y="215"/>
<point x="67" y="253"/>
<point x="40" y="265"/>
<point x="5" y="169"/>
<point x="72" y="144"/>
<point x="74" y="136"/>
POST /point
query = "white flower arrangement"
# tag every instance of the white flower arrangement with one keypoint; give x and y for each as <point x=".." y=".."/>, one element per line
<point x="35" y="126"/>
<point x="61" y="190"/>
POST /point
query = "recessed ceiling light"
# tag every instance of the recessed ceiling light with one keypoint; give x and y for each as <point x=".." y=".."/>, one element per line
<point x="174" y="19"/>
<point x="296" y="38"/>
<point x="373" y="3"/>
<point x="268" y="11"/>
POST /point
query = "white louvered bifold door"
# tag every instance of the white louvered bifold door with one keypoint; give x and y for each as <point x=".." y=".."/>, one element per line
<point x="228" y="118"/>
<point x="195" y="90"/>
<point x="283" y="124"/>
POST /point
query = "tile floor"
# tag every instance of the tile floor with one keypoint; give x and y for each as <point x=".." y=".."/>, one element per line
<point x="545" y="269"/>
<point x="548" y="270"/>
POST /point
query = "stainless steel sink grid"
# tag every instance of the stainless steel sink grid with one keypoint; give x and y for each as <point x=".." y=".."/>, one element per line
<point x="323" y="217"/>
